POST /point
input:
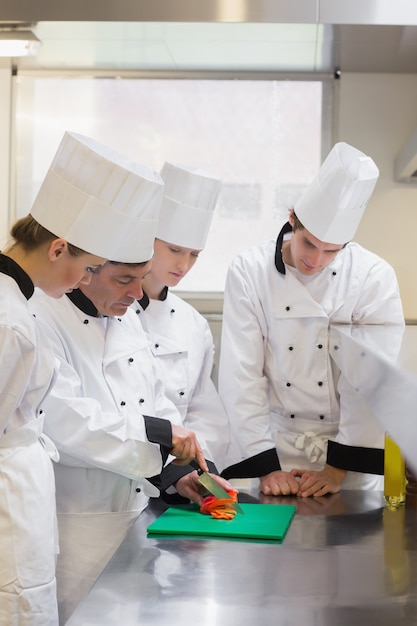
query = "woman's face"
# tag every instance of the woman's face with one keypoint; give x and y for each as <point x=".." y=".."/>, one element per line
<point x="68" y="271"/>
<point x="171" y="262"/>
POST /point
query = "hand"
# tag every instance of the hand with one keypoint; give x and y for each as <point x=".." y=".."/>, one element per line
<point x="279" y="483"/>
<point x="319" y="482"/>
<point x="189" y="487"/>
<point x="185" y="447"/>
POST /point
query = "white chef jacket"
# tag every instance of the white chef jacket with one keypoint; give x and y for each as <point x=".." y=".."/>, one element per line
<point x="28" y="537"/>
<point x="182" y="344"/>
<point x="106" y="384"/>
<point x="282" y="392"/>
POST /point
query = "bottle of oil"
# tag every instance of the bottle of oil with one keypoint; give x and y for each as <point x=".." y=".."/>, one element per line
<point x="394" y="474"/>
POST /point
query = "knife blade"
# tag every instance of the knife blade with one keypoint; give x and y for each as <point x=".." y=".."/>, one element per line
<point x="213" y="486"/>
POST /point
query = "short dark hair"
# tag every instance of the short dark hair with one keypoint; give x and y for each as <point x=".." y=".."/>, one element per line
<point x="299" y="226"/>
<point x="141" y="264"/>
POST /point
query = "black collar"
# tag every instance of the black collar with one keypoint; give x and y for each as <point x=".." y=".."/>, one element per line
<point x="279" y="263"/>
<point x="12" y="269"/>
<point x="82" y="302"/>
<point x="144" y="301"/>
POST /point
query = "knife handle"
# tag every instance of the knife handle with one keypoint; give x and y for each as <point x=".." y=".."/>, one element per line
<point x="196" y="466"/>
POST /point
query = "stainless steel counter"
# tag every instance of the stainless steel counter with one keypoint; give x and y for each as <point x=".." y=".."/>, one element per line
<point x="345" y="560"/>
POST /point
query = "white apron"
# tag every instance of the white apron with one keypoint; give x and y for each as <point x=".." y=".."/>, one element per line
<point x="27" y="585"/>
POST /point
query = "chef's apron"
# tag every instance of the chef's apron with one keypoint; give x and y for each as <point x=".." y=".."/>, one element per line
<point x="28" y="529"/>
<point x="87" y="543"/>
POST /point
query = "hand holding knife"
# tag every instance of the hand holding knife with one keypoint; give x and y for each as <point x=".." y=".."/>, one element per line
<point x="212" y="485"/>
<point x="185" y="446"/>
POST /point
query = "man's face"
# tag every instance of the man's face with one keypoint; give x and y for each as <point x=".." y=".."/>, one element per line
<point x="306" y="253"/>
<point x="309" y="254"/>
<point x="113" y="288"/>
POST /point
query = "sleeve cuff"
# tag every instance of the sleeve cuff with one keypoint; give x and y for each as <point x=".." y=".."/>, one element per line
<point x="258" y="465"/>
<point x="171" y="473"/>
<point x="159" y="431"/>
<point x="355" y="458"/>
<point x="169" y="476"/>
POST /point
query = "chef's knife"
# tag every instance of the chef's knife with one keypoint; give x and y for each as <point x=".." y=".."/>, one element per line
<point x="213" y="486"/>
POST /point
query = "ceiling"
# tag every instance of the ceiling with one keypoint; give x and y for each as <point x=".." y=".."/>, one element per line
<point x="303" y="36"/>
<point x="157" y="46"/>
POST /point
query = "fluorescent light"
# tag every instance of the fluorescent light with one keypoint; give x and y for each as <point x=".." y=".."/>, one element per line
<point x="18" y="43"/>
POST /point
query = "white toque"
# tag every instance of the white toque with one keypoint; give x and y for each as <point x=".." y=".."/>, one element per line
<point x="333" y="204"/>
<point x="190" y="196"/>
<point x="100" y="201"/>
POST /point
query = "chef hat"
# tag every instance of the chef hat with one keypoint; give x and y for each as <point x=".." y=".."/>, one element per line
<point x="333" y="204"/>
<point x="100" y="201"/>
<point x="190" y="196"/>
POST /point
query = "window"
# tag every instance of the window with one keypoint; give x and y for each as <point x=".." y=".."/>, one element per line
<point x="262" y="137"/>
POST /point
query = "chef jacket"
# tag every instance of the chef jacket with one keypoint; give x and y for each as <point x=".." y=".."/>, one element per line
<point x="288" y="404"/>
<point x="101" y="407"/>
<point x="183" y="347"/>
<point x="28" y="537"/>
<point x="100" y="415"/>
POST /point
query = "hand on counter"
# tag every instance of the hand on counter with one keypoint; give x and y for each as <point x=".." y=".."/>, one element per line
<point x="185" y="447"/>
<point x="302" y="482"/>
<point x="318" y="483"/>
<point x="279" y="483"/>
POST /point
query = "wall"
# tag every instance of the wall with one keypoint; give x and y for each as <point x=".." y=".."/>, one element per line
<point x="377" y="113"/>
<point x="5" y="138"/>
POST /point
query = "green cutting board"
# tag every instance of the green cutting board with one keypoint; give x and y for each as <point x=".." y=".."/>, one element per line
<point x="260" y="521"/>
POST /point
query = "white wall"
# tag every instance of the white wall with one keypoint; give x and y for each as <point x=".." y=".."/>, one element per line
<point x="377" y="113"/>
<point x="5" y="138"/>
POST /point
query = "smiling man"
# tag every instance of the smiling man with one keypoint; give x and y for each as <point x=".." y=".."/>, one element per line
<point x="294" y="421"/>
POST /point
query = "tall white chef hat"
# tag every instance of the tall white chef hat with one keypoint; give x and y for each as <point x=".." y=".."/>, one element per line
<point x="334" y="202"/>
<point x="190" y="196"/>
<point x="100" y="201"/>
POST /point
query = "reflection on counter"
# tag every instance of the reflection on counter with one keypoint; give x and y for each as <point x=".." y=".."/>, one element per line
<point x="345" y="560"/>
<point x="396" y="557"/>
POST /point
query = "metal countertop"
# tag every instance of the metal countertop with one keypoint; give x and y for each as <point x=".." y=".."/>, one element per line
<point x="346" y="559"/>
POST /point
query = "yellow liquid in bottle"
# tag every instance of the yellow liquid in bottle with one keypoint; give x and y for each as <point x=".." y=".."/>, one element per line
<point x="394" y="474"/>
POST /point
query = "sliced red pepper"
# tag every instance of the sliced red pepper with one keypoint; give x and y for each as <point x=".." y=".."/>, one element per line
<point x="220" y="508"/>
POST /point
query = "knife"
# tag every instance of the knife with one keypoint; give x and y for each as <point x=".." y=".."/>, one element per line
<point x="213" y="486"/>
